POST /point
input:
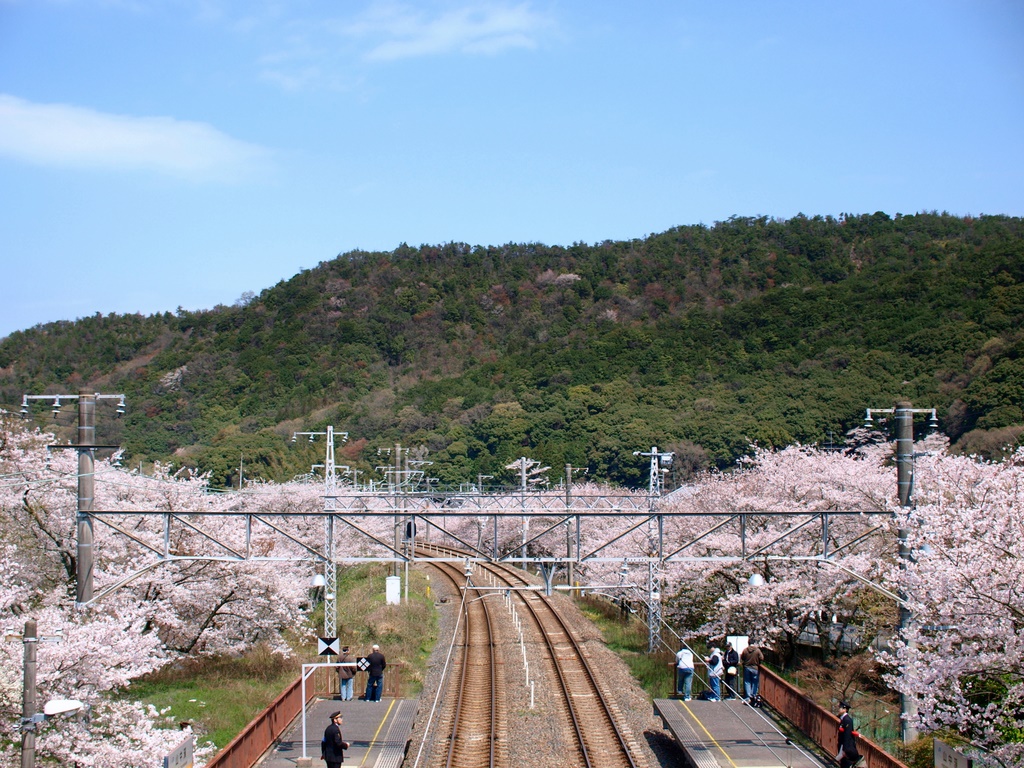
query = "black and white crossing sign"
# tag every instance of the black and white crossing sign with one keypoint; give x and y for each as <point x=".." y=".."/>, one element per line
<point x="362" y="664"/>
<point x="327" y="646"/>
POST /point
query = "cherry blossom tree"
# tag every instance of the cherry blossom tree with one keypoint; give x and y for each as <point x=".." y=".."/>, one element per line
<point x="164" y="609"/>
<point x="962" y="658"/>
<point x="228" y="585"/>
<point x="963" y="655"/>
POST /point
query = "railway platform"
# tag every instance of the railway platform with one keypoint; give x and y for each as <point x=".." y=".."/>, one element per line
<point x="730" y="734"/>
<point x="378" y="732"/>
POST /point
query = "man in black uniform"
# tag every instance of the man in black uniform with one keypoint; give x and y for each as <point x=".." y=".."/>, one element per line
<point x="848" y="755"/>
<point x="332" y="748"/>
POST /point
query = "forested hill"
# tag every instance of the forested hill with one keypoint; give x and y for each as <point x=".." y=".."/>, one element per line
<point x="700" y="339"/>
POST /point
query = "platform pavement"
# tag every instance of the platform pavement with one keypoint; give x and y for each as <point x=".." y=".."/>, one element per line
<point x="377" y="731"/>
<point x="730" y="734"/>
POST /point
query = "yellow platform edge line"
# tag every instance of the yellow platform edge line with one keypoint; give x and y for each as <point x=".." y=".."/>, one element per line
<point x="377" y="733"/>
<point x="717" y="745"/>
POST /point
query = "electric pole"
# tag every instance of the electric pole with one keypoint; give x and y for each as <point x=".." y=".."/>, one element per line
<point x="86" y="447"/>
<point x="904" y="417"/>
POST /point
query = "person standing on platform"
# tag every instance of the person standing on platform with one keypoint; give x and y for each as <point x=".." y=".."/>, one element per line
<point x="732" y="662"/>
<point x="684" y="672"/>
<point x="751" y="659"/>
<point x="375" y="674"/>
<point x="848" y="754"/>
<point x="715" y="669"/>
<point x="345" y="675"/>
<point x="333" y="746"/>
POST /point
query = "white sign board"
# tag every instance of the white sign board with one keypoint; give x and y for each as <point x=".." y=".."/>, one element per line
<point x="739" y="642"/>
<point x="393" y="590"/>
<point x="181" y="757"/>
<point x="947" y="757"/>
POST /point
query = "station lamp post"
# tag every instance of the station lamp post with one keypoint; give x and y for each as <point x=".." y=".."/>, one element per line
<point x="30" y="717"/>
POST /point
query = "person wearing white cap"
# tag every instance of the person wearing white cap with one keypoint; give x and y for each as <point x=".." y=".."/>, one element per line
<point x="375" y="674"/>
<point x="715" y="669"/>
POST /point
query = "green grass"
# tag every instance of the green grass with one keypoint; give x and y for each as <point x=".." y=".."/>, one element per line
<point x="628" y="637"/>
<point x="221" y="695"/>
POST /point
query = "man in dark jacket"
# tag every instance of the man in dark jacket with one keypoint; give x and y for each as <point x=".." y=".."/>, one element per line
<point x="732" y="662"/>
<point x="345" y="675"/>
<point x="332" y="748"/>
<point x="375" y="674"/>
<point x="848" y="755"/>
<point x="751" y="659"/>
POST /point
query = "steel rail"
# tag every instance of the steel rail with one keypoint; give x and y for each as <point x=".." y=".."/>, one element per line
<point x="463" y="751"/>
<point x="591" y="679"/>
<point x="583" y="729"/>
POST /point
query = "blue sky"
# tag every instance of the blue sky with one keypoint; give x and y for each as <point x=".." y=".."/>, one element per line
<point x="157" y="154"/>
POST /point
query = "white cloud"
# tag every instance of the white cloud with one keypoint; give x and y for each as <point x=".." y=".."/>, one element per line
<point x="485" y="28"/>
<point x="65" y="136"/>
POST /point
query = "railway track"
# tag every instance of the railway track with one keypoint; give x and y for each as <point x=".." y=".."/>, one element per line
<point x="585" y="707"/>
<point x="476" y="732"/>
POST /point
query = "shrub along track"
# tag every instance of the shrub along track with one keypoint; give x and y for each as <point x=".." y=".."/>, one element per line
<point x="582" y="703"/>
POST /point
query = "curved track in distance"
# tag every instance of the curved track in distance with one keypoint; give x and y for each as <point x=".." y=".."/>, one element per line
<point x="477" y="733"/>
<point x="587" y="710"/>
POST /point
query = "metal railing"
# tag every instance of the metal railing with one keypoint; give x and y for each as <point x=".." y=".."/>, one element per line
<point x="266" y="728"/>
<point x="247" y="747"/>
<point x="820" y="725"/>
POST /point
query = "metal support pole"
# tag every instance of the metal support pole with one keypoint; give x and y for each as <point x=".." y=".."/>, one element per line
<point x="522" y="503"/>
<point x="86" y="491"/>
<point x="29" y="704"/>
<point x="568" y="526"/>
<point x="330" y="566"/>
<point x="397" y="485"/>
<point x="653" y="610"/>
<point x="579" y="542"/>
<point x="330" y="581"/>
<point x="330" y="505"/>
<point x="654" y="487"/>
<point x="905" y="485"/>
<point x="547" y="571"/>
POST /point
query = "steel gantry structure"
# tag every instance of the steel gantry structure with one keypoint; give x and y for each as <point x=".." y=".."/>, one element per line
<point x="407" y="497"/>
<point x="416" y="509"/>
